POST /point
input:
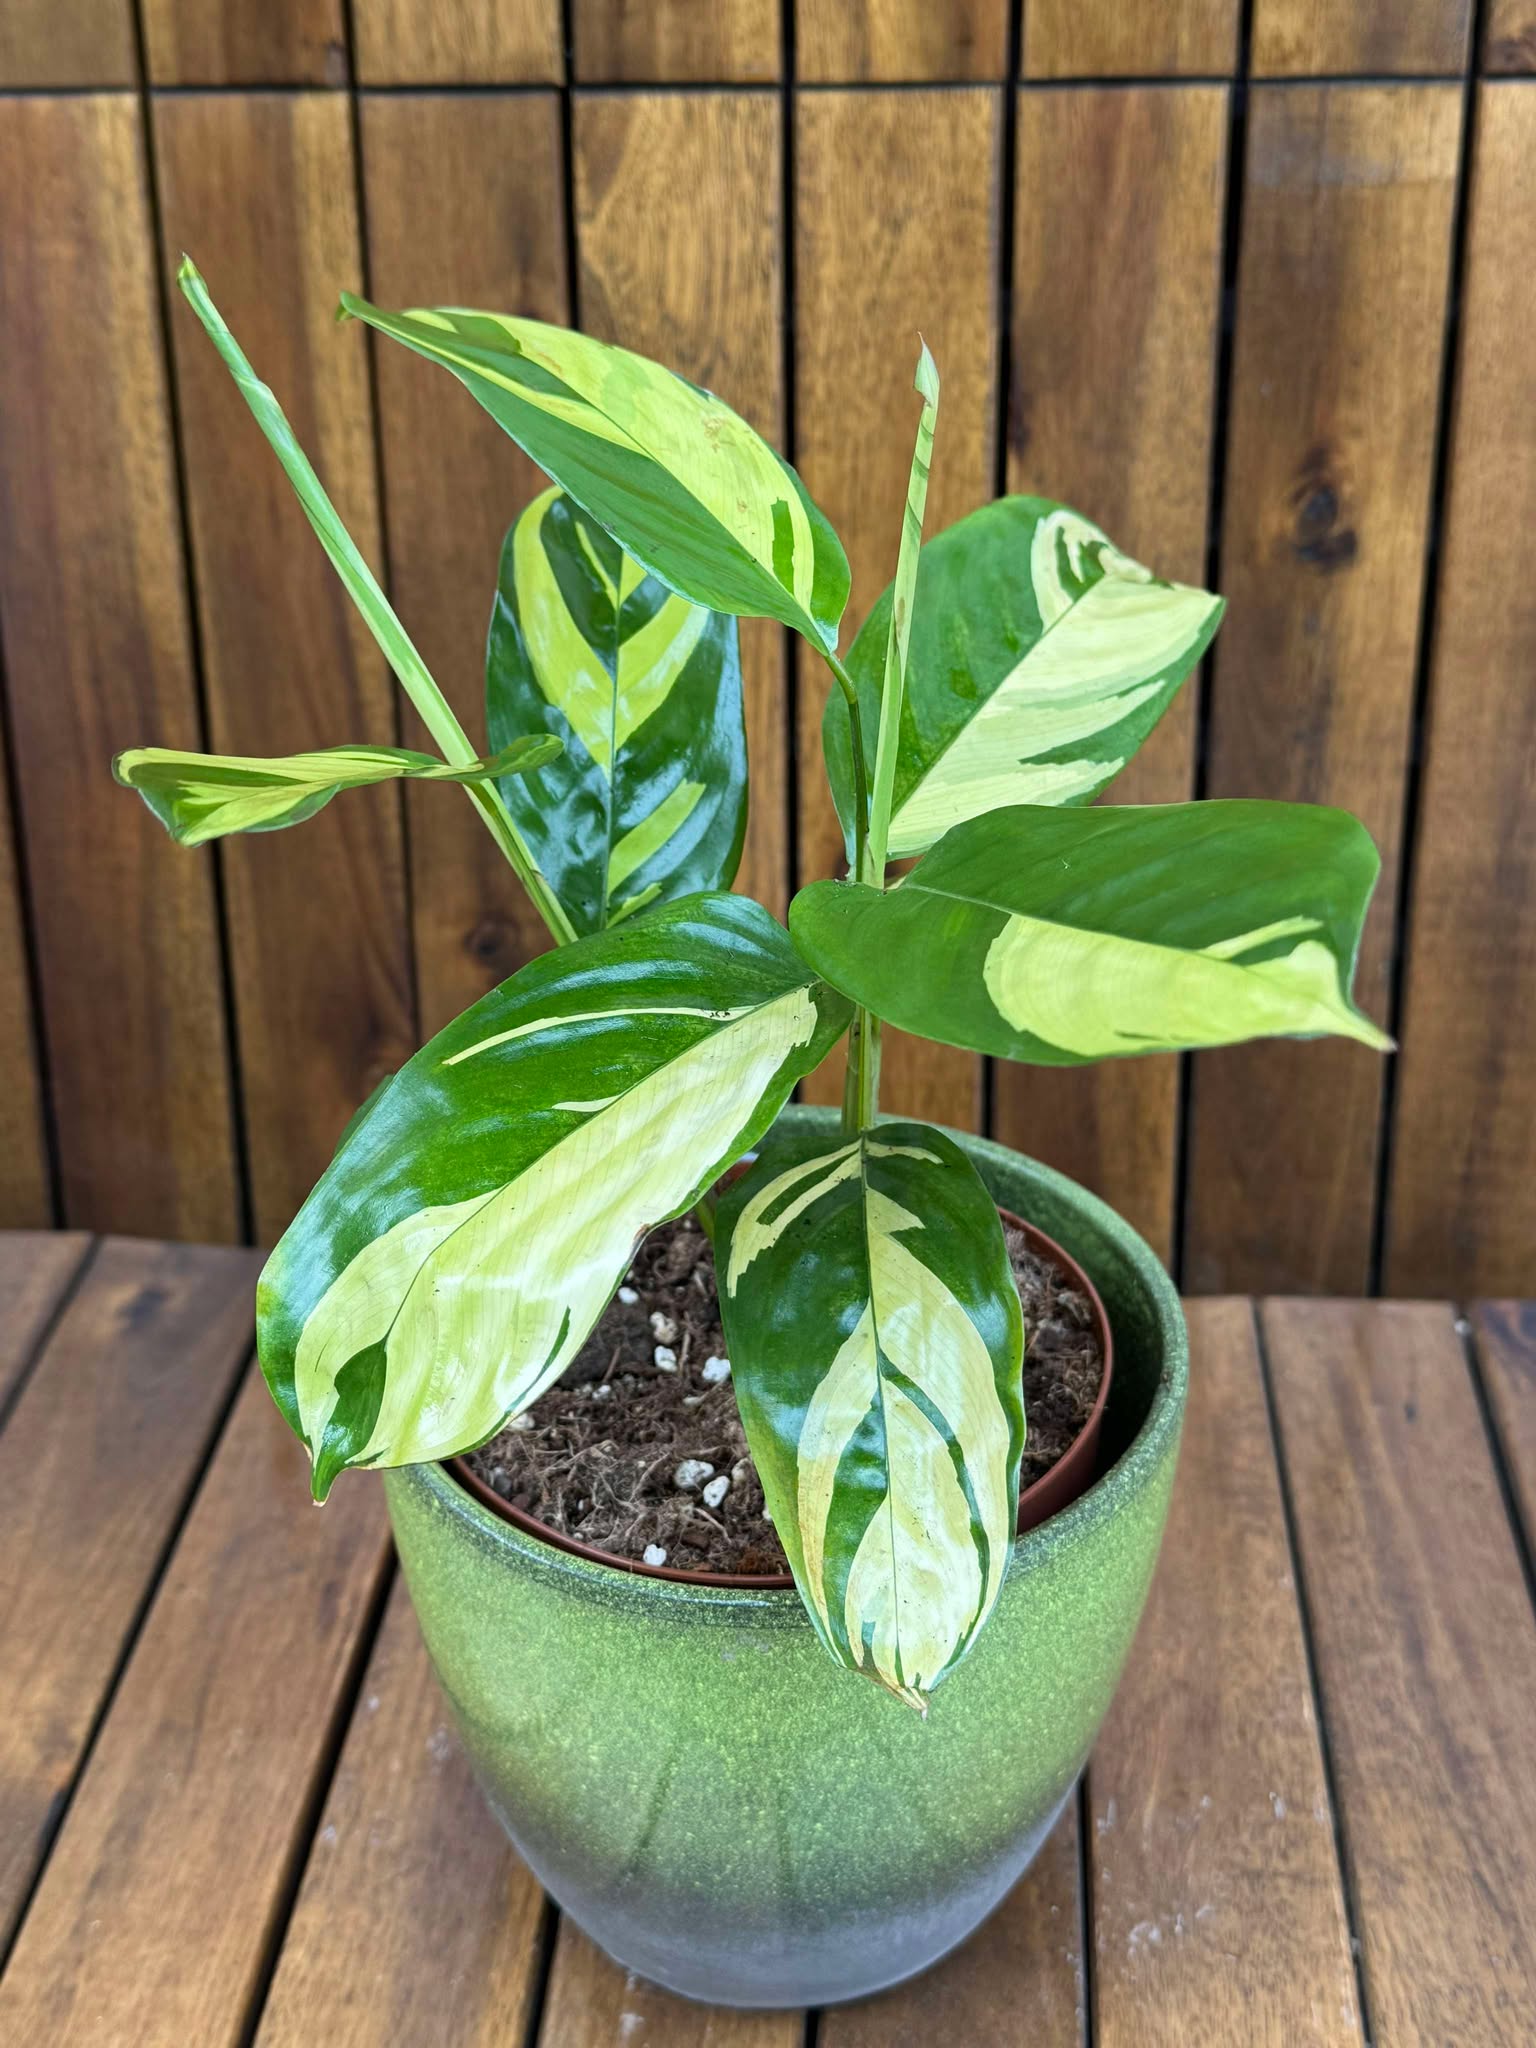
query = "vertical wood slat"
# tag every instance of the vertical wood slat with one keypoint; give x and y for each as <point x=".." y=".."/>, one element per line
<point x="1111" y="403"/>
<point x="97" y="656"/>
<point x="457" y="42"/>
<point x="881" y="42"/>
<point x="702" y="288"/>
<point x="1509" y="36"/>
<point x="926" y="260"/>
<point x="1107" y="39"/>
<point x="1426" y="1659"/>
<point x="26" y="1196"/>
<point x="148" y="1351"/>
<point x="735" y="42"/>
<point x="1341" y="303"/>
<point x="1213" y="1839"/>
<point x="592" y="2003"/>
<point x="153" y="1917"/>
<point x="88" y="43"/>
<point x="1461" y="1204"/>
<point x="465" y="207"/>
<point x="260" y="187"/>
<point x="236" y="42"/>
<point x="379" y="1943"/>
<point x="1319" y="38"/>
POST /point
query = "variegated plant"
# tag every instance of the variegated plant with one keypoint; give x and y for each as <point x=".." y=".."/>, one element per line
<point x="485" y="1203"/>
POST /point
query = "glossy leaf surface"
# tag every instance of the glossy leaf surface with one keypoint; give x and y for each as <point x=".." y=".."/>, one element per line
<point x="1040" y="659"/>
<point x="480" y="1212"/>
<point x="1064" y="936"/>
<point x="876" y="1339"/>
<point x="198" y="797"/>
<point x="679" y="479"/>
<point x="648" y="801"/>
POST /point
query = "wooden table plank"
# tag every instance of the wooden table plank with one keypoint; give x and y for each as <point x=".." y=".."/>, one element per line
<point x="592" y="2003"/>
<point x="1509" y="36"/>
<point x="155" y="1914"/>
<point x="457" y="42"/>
<point x="1295" y="38"/>
<point x="677" y="42"/>
<point x="1107" y="39"/>
<point x="103" y="1446"/>
<point x="1426" y="1657"/>
<point x="1218" y="1909"/>
<point x="1505" y="1332"/>
<point x="860" y="42"/>
<point x="417" y="1920"/>
<point x="232" y="42"/>
<point x="36" y="1269"/>
<point x="1020" y="1977"/>
<point x="90" y="42"/>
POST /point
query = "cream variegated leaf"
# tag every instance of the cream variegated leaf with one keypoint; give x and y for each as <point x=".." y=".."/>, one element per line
<point x="480" y="1212"/>
<point x="680" y="480"/>
<point x="876" y="1338"/>
<point x="648" y="802"/>
<point x="198" y="797"/>
<point x="1040" y="659"/>
<point x="1063" y="936"/>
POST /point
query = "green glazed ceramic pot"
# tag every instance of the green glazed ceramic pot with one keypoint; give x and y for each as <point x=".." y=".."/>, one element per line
<point x="696" y="1782"/>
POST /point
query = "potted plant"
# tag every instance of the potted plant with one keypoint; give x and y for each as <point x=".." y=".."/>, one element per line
<point x="702" y="1772"/>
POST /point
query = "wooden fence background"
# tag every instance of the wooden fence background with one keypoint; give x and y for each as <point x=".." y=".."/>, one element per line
<point x="1252" y="284"/>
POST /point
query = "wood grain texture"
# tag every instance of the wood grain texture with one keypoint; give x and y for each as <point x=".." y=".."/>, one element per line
<point x="1111" y="401"/>
<point x="465" y="207"/>
<point x="379" y="1942"/>
<point x="644" y="42"/>
<point x="1295" y="38"/>
<point x="260" y="188"/>
<point x="457" y="42"/>
<point x="89" y="42"/>
<point x="104" y="1445"/>
<point x="1505" y="1336"/>
<point x="1341" y="300"/>
<point x="26" y="1193"/>
<point x="1218" y="1909"/>
<point x="592" y="2003"/>
<point x="925" y="261"/>
<point x="1509" y="36"/>
<point x="1461" y="1204"/>
<point x="1019" y="1978"/>
<point x="152" y="1919"/>
<point x="856" y="42"/>
<point x="37" y="1269"/>
<point x="702" y="289"/>
<point x="97" y="657"/>
<point x="246" y="42"/>
<point x="1107" y="39"/>
<point x="1426" y="1658"/>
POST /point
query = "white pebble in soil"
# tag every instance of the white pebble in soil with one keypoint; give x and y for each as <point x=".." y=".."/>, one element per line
<point x="692" y="1473"/>
<point x="741" y="1472"/>
<point x="663" y="1329"/>
<point x="654" y="1554"/>
<point x="716" y="1491"/>
<point x="665" y="1357"/>
<point x="715" y="1369"/>
<point x="628" y="1296"/>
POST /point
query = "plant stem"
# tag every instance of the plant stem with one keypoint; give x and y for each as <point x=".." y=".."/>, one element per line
<point x="861" y="1080"/>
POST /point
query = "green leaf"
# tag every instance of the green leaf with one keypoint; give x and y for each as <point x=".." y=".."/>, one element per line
<point x="473" y="1224"/>
<point x="198" y="797"/>
<point x="876" y="1337"/>
<point x="648" y="802"/>
<point x="1063" y="936"/>
<point x="1041" y="658"/>
<point x="681" y="481"/>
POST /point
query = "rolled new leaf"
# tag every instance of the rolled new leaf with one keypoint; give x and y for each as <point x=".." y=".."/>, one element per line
<point x="198" y="797"/>
<point x="1040" y="659"/>
<point x="1064" y="936"/>
<point x="458" y="1249"/>
<point x="679" y="479"/>
<point x="648" y="802"/>
<point x="876" y="1337"/>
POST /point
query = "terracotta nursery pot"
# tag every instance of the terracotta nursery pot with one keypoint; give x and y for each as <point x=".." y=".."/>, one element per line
<point x="705" y="1792"/>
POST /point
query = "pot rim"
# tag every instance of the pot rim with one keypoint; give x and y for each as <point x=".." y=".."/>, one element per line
<point x="1071" y="1472"/>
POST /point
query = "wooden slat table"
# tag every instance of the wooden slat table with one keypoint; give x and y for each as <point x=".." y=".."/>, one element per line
<point x="232" y="1809"/>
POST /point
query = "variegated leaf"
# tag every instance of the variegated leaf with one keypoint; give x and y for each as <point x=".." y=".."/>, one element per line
<point x="1064" y="936"/>
<point x="649" y="799"/>
<point x="1041" y="658"/>
<point x="475" y="1220"/>
<point x="876" y="1337"/>
<point x="679" y="479"/>
<point x="198" y="797"/>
